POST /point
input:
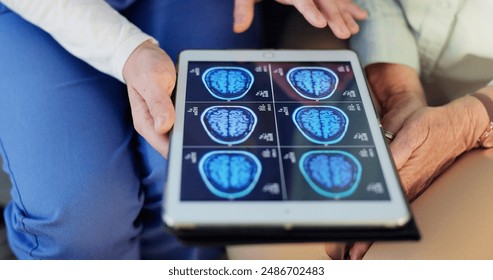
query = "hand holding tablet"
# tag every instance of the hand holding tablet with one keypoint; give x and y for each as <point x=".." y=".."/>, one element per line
<point x="279" y="146"/>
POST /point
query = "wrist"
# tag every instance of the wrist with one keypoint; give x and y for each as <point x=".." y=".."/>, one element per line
<point x="130" y="64"/>
<point x="474" y="117"/>
<point x="485" y="96"/>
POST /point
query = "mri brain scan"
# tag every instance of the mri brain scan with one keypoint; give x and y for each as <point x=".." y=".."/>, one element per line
<point x="230" y="174"/>
<point x="314" y="83"/>
<point x="321" y="124"/>
<point x="228" y="83"/>
<point x="333" y="174"/>
<point x="229" y="125"/>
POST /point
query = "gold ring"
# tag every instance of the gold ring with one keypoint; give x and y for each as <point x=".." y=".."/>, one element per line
<point x="389" y="135"/>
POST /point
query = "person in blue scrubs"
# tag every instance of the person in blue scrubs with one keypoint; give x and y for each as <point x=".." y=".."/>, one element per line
<point x="85" y="184"/>
<point x="85" y="161"/>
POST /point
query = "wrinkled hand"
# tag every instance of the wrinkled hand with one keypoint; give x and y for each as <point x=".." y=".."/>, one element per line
<point x="403" y="106"/>
<point x="398" y="92"/>
<point x="432" y="138"/>
<point x="339" y="15"/>
<point x="428" y="142"/>
<point x="151" y="76"/>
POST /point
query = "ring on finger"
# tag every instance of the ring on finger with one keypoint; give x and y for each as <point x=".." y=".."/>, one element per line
<point x="389" y="135"/>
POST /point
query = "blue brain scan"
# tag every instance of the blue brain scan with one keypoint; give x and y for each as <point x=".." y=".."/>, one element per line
<point x="314" y="83"/>
<point x="230" y="174"/>
<point x="321" y="124"/>
<point x="332" y="174"/>
<point x="227" y="83"/>
<point x="229" y="125"/>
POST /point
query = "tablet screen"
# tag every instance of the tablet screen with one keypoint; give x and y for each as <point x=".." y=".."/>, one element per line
<point x="277" y="131"/>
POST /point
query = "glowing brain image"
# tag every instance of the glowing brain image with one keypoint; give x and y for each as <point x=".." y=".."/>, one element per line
<point x="229" y="125"/>
<point x="230" y="174"/>
<point x="333" y="174"/>
<point x="315" y="83"/>
<point x="227" y="83"/>
<point x="321" y="124"/>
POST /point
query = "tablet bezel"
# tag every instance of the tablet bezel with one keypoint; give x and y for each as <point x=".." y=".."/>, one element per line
<point x="179" y="214"/>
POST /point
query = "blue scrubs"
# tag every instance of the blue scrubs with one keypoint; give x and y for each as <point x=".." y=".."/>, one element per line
<point x="85" y="184"/>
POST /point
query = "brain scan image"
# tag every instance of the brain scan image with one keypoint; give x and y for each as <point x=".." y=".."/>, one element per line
<point x="230" y="174"/>
<point x="332" y="174"/>
<point x="229" y="125"/>
<point x="315" y="83"/>
<point x="321" y="124"/>
<point x="227" y="83"/>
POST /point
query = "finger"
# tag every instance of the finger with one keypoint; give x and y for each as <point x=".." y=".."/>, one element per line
<point x="404" y="144"/>
<point x="393" y="122"/>
<point x="356" y="11"/>
<point x="350" y="23"/>
<point x="144" y="123"/>
<point x="311" y="13"/>
<point x="409" y="179"/>
<point x="335" y="250"/>
<point x="163" y="114"/>
<point x="359" y="250"/>
<point x="159" y="103"/>
<point x="243" y="15"/>
<point x="334" y="18"/>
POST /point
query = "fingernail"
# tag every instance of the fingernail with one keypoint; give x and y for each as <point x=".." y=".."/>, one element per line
<point x="343" y="30"/>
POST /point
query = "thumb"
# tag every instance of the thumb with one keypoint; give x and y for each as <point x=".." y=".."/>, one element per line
<point x="243" y="15"/>
<point x="359" y="250"/>
<point x="403" y="146"/>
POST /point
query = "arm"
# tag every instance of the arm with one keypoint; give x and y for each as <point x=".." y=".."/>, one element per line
<point x="91" y="30"/>
<point x="94" y="32"/>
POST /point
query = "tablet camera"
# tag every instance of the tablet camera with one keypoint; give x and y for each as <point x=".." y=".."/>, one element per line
<point x="314" y="83"/>
<point x="321" y="124"/>
<point x="229" y="125"/>
<point x="230" y="174"/>
<point x="228" y="83"/>
<point x="332" y="174"/>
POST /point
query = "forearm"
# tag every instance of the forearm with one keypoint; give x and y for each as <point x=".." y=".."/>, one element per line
<point x="91" y="30"/>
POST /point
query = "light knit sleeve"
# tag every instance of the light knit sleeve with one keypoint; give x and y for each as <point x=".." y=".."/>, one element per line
<point x="90" y="30"/>
<point x="385" y="36"/>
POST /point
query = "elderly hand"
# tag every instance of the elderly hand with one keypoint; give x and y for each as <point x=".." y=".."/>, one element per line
<point x="150" y="76"/>
<point x="340" y="15"/>
<point x="428" y="142"/>
<point x="432" y="138"/>
<point x="398" y="91"/>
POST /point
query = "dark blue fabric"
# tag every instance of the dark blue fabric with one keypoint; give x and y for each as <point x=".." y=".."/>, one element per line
<point x="85" y="185"/>
<point x="120" y="4"/>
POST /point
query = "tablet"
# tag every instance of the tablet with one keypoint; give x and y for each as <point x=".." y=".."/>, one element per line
<point x="279" y="145"/>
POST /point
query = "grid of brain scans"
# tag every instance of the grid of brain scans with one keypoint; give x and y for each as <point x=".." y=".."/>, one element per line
<point x="264" y="131"/>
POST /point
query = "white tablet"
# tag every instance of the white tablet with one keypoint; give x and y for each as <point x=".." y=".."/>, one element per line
<point x="270" y="143"/>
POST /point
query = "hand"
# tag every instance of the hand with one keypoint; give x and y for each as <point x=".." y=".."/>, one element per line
<point x="398" y="94"/>
<point x="432" y="138"/>
<point x="398" y="91"/>
<point x="340" y="15"/>
<point x="429" y="141"/>
<point x="151" y="76"/>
